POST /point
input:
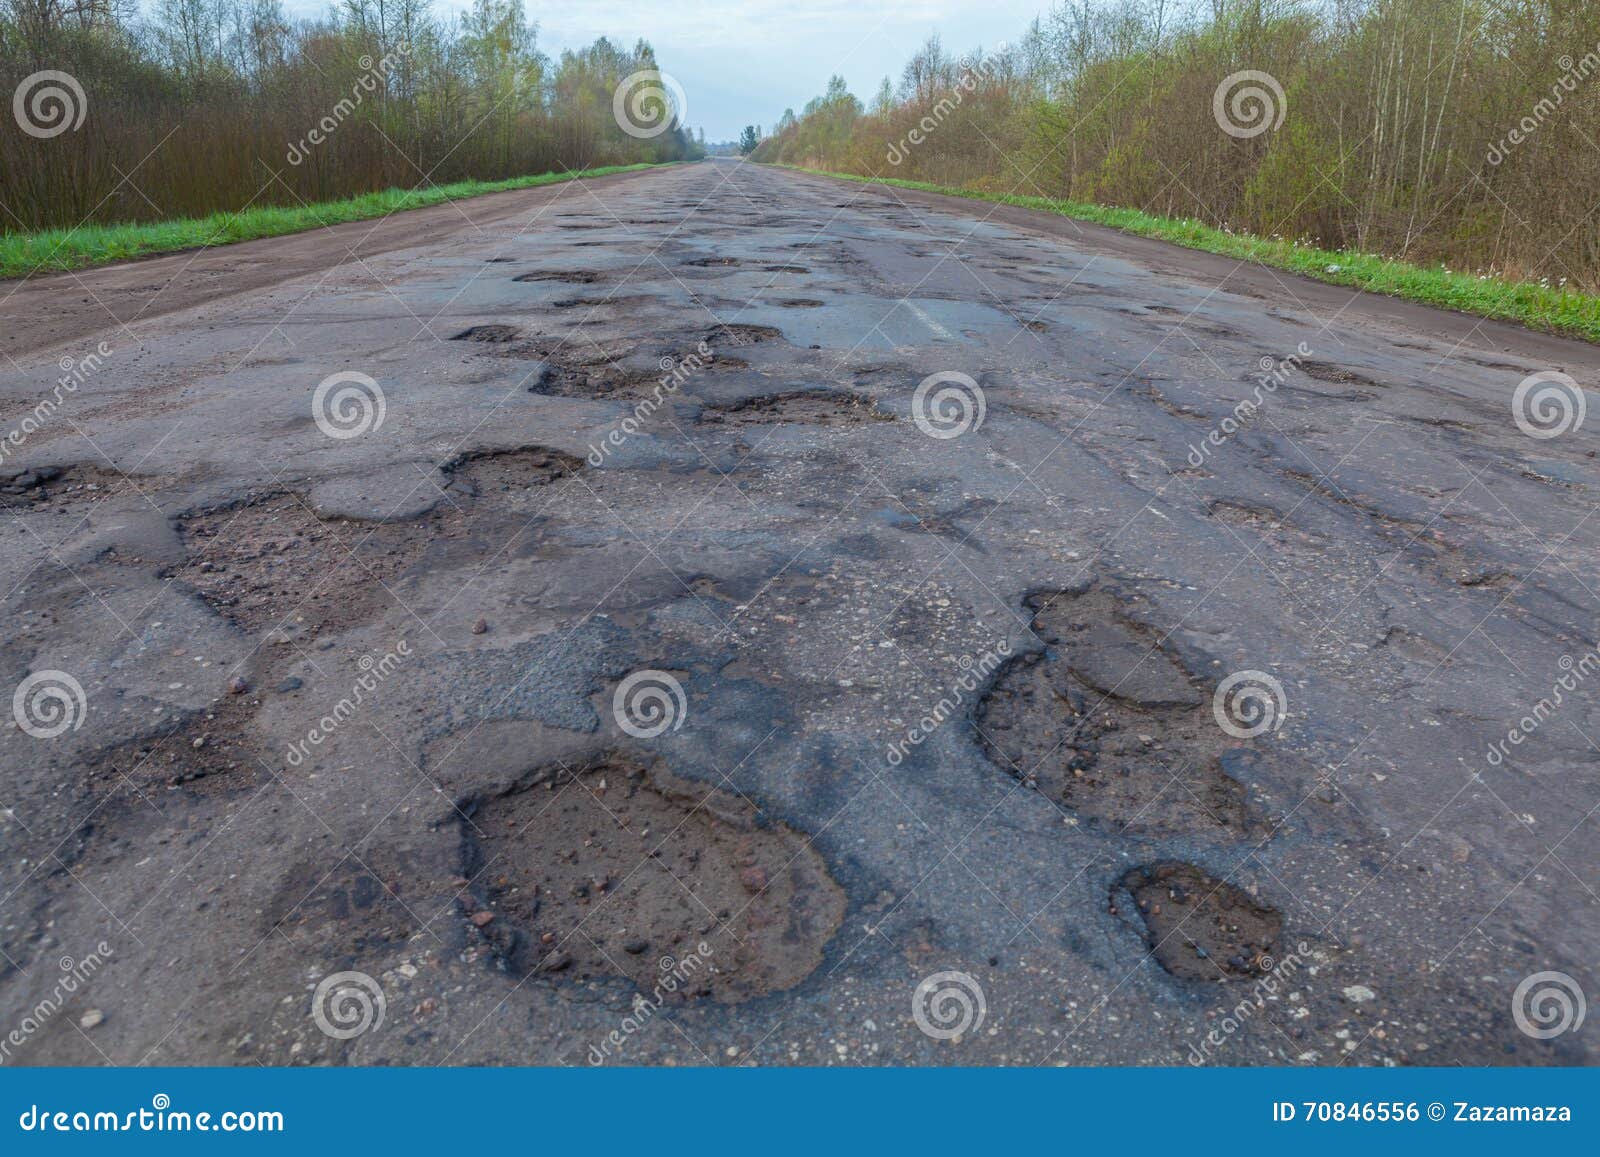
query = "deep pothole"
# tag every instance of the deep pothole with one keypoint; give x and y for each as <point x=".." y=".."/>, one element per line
<point x="1199" y="927"/>
<point x="1108" y="725"/>
<point x="618" y="869"/>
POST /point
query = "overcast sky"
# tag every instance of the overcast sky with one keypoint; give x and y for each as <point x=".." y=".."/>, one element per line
<point x="745" y="61"/>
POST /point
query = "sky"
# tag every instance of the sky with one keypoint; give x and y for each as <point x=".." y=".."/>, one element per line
<point x="744" y="61"/>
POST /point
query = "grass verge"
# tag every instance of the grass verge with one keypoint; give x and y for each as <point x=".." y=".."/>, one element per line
<point x="22" y="254"/>
<point x="1528" y="303"/>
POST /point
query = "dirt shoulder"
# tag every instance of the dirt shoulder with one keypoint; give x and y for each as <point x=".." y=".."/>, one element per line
<point x="40" y="313"/>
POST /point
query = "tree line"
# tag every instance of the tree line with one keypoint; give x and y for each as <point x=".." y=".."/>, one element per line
<point x="1457" y="132"/>
<point x="196" y="106"/>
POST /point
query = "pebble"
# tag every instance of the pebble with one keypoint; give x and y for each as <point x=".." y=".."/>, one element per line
<point x="482" y="919"/>
<point x="292" y="683"/>
<point x="635" y="946"/>
<point x="237" y="686"/>
<point x="480" y="626"/>
<point x="91" y="1018"/>
<point x="1359" y="994"/>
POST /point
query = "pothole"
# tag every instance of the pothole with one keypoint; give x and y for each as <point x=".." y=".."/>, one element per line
<point x="492" y="334"/>
<point x="1201" y="928"/>
<point x="568" y="276"/>
<point x="612" y="366"/>
<point x="203" y="752"/>
<point x="735" y="334"/>
<point x="1337" y="374"/>
<point x="45" y="487"/>
<point x="270" y="561"/>
<point x="1108" y="725"/>
<point x="510" y="475"/>
<point x="635" y="302"/>
<point x="806" y="407"/>
<point x="709" y="262"/>
<point x="799" y="303"/>
<point x="617" y="868"/>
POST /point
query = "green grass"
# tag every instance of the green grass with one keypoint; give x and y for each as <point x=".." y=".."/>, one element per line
<point x="1528" y="303"/>
<point x="22" y="254"/>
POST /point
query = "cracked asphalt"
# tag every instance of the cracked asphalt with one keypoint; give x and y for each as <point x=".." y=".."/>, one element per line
<point x="723" y="615"/>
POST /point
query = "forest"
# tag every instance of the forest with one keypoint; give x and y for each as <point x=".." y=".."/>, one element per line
<point x="202" y="106"/>
<point x="1454" y="133"/>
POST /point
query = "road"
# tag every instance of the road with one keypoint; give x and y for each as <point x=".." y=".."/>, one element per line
<point x="721" y="615"/>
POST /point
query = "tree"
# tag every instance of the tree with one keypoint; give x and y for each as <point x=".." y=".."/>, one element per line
<point x="749" y="139"/>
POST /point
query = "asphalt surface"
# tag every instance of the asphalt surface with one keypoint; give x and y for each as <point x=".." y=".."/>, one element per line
<point x="912" y="684"/>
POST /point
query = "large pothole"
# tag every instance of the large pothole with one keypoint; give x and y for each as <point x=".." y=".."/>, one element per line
<point x="617" y="869"/>
<point x="271" y="562"/>
<point x="1107" y="724"/>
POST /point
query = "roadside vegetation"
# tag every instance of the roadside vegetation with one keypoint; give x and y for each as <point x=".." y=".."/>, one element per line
<point x="22" y="254"/>
<point x="227" y="118"/>
<point x="1442" y="150"/>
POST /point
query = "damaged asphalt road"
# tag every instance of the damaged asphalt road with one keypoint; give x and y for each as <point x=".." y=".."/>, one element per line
<point x="622" y="660"/>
